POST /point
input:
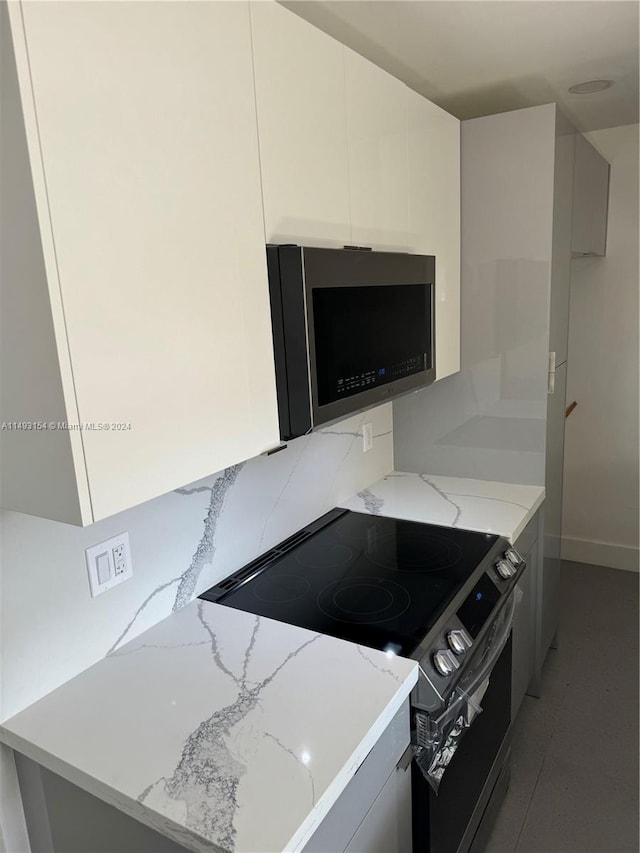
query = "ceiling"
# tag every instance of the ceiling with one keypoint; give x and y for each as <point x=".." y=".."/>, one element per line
<point x="478" y="57"/>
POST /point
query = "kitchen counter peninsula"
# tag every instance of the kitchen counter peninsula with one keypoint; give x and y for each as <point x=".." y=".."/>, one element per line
<point x="221" y="730"/>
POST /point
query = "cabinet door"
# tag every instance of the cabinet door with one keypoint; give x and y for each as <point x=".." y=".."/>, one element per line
<point x="147" y="133"/>
<point x="590" y="200"/>
<point x="302" y="124"/>
<point x="377" y="137"/>
<point x="434" y="215"/>
<point x="387" y="825"/>
<point x="554" y="466"/>
<point x="373" y="813"/>
<point x="524" y="632"/>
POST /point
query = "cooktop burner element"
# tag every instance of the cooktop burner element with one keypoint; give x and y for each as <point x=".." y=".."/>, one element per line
<point x="415" y="551"/>
<point x="368" y="600"/>
<point x="381" y="582"/>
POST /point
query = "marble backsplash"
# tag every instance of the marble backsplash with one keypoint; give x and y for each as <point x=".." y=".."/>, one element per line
<point x="181" y="544"/>
<point x="489" y="421"/>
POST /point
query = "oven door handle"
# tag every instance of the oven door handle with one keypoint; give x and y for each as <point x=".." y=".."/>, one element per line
<point x="436" y="740"/>
<point x="495" y="642"/>
<point x="436" y="737"/>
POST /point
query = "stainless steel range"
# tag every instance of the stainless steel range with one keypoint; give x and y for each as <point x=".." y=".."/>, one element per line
<point x="441" y="596"/>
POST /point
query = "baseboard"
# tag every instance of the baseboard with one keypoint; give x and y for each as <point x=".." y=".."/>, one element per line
<point x="601" y="554"/>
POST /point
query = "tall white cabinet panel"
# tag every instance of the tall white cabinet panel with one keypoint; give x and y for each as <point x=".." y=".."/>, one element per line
<point x="434" y="215"/>
<point x="142" y="137"/>
<point x="590" y="200"/>
<point x="42" y="472"/>
<point x="561" y="244"/>
<point x="377" y="136"/>
<point x="302" y="124"/>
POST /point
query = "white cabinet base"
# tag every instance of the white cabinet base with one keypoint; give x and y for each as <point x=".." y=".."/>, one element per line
<point x="373" y="813"/>
<point x="62" y="818"/>
<point x="524" y="620"/>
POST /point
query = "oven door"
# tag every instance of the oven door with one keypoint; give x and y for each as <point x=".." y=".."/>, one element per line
<point x="447" y="821"/>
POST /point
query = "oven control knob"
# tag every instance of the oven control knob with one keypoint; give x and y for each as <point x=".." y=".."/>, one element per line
<point x="445" y="663"/>
<point x="458" y="643"/>
<point x="505" y="569"/>
<point x="514" y="558"/>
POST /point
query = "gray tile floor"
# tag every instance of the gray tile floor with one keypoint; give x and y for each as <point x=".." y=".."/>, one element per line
<point x="574" y="771"/>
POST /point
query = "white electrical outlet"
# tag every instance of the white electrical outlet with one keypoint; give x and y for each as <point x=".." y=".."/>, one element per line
<point x="119" y="559"/>
<point x="367" y="437"/>
<point x="109" y="563"/>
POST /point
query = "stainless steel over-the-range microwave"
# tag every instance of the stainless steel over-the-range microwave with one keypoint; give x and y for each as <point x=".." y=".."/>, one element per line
<point x="352" y="328"/>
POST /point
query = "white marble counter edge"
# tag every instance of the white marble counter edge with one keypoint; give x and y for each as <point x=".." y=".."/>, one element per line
<point x="527" y="517"/>
<point x="396" y="512"/>
<point x="187" y="837"/>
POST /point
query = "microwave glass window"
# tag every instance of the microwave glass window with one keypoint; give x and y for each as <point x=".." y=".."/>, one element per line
<point x="368" y="336"/>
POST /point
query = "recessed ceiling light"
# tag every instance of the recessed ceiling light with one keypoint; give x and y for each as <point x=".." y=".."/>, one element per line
<point x="590" y="86"/>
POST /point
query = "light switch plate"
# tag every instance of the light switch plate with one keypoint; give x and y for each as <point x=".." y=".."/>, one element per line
<point x="109" y="563"/>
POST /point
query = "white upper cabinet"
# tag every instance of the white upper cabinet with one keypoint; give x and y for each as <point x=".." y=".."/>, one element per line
<point x="377" y="138"/>
<point x="142" y="140"/>
<point x="590" y="200"/>
<point x="302" y="125"/>
<point x="146" y="149"/>
<point x="434" y="215"/>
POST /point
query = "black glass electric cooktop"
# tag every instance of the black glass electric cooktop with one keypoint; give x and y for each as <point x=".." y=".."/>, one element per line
<point x="377" y="581"/>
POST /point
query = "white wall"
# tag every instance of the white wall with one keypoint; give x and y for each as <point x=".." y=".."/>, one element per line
<point x="600" y="523"/>
<point x="489" y="420"/>
<point x="181" y="544"/>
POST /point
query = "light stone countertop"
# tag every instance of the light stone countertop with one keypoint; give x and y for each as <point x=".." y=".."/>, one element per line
<point x="223" y="730"/>
<point x="487" y="506"/>
<point x="188" y="726"/>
